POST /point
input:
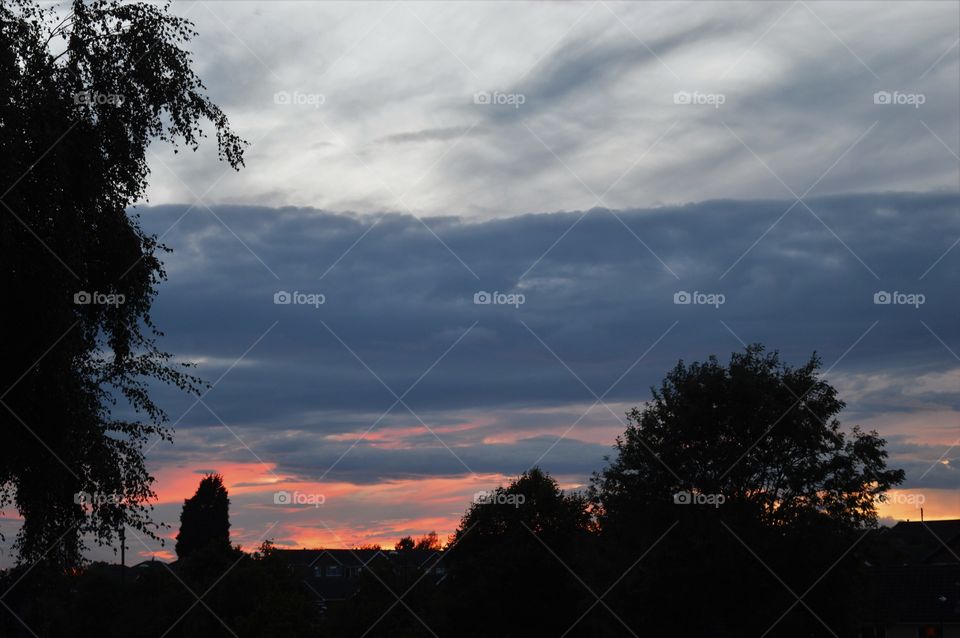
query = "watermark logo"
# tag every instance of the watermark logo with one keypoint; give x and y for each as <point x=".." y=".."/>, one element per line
<point x="92" y="98"/>
<point x="284" y="497"/>
<point x="696" y="98"/>
<point x="897" y="298"/>
<point x="696" y="498"/>
<point x="297" y="298"/>
<point x="296" y="98"/>
<point x="495" y="497"/>
<point x="496" y="298"/>
<point x="497" y="98"/>
<point x="697" y="298"/>
<point x="96" y="498"/>
<point x="906" y="498"/>
<point x="896" y="98"/>
<point x="84" y="298"/>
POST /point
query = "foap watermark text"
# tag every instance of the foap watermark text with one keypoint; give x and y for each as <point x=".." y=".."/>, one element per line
<point x="496" y="298"/>
<point x="696" y="498"/>
<point x="494" y="497"/>
<point x="297" y="298"/>
<point x="897" y="298"/>
<point x="696" y="98"/>
<point x="283" y="497"/>
<point x="697" y="298"/>
<point x="898" y="98"/>
<point x="96" y="498"/>
<point x="84" y="298"/>
<point x="92" y="98"/>
<point x="296" y="98"/>
<point x="496" y="98"/>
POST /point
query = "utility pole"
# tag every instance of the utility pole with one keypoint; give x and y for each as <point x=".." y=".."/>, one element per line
<point x="123" y="557"/>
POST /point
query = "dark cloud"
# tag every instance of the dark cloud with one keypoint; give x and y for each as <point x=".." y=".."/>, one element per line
<point x="399" y="301"/>
<point x="426" y="458"/>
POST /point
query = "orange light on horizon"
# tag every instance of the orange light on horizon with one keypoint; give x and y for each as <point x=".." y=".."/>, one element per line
<point x="905" y="504"/>
<point x="351" y="515"/>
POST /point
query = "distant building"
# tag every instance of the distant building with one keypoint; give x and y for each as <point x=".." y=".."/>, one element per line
<point x="914" y="583"/>
<point x="334" y="574"/>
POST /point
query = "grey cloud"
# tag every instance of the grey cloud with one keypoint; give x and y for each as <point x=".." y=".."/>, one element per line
<point x="596" y="96"/>
<point x="365" y="463"/>
<point x="399" y="299"/>
<point x="429" y="135"/>
<point x="926" y="466"/>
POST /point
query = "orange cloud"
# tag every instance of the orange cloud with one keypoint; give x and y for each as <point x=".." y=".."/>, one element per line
<point x="343" y="515"/>
<point x="174" y="483"/>
<point x="350" y="515"/>
<point x="905" y="504"/>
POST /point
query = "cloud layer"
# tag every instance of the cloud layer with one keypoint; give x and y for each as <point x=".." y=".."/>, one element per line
<point x="369" y="107"/>
<point x="443" y="386"/>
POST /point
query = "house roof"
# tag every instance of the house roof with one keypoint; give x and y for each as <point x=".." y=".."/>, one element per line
<point x="314" y="563"/>
<point x="356" y="557"/>
<point x="914" y="594"/>
<point x="927" y="541"/>
<point x="344" y="557"/>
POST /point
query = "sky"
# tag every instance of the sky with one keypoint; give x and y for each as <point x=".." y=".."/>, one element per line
<point x="788" y="168"/>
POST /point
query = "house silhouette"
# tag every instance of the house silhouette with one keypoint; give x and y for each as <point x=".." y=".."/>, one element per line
<point x="334" y="574"/>
<point x="913" y="582"/>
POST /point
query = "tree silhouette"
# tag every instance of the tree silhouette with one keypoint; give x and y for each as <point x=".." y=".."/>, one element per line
<point x="760" y="433"/>
<point x="205" y="519"/>
<point x="429" y="542"/>
<point x="80" y="101"/>
<point x="513" y="549"/>
<point x="732" y="473"/>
